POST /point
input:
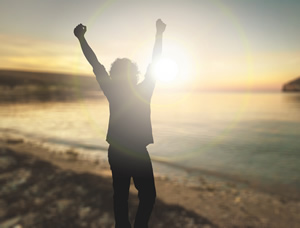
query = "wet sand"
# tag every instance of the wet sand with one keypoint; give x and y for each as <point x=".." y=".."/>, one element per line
<point x="42" y="188"/>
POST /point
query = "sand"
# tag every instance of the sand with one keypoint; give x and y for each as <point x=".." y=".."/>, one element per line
<point x="43" y="188"/>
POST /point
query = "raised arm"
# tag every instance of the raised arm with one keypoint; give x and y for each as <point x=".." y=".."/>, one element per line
<point x="157" y="50"/>
<point x="149" y="82"/>
<point x="79" y="32"/>
<point x="99" y="70"/>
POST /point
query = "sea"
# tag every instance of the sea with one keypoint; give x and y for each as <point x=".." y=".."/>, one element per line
<point x="249" y="138"/>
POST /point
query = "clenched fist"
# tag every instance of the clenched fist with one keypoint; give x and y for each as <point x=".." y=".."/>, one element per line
<point x="79" y="31"/>
<point x="160" y="26"/>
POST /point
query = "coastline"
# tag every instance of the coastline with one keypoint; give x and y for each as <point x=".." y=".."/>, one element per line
<point x="189" y="176"/>
<point x="213" y="204"/>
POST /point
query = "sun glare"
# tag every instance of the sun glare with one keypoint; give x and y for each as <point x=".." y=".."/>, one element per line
<point x="166" y="70"/>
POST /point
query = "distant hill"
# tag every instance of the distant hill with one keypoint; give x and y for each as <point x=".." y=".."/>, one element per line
<point x="13" y="78"/>
<point x="24" y="86"/>
<point x="292" y="86"/>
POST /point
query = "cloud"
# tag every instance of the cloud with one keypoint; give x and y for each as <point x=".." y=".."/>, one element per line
<point x="32" y="54"/>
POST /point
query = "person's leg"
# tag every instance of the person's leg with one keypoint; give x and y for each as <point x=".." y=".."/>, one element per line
<point x="144" y="182"/>
<point x="121" y="184"/>
<point x="121" y="190"/>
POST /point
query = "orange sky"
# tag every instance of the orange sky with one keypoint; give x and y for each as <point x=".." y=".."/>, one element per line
<point x="218" y="45"/>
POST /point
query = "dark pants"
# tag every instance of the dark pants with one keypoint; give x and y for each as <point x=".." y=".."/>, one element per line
<point x="136" y="163"/>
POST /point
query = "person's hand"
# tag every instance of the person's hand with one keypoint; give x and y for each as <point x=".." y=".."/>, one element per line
<point x="160" y="26"/>
<point x="79" y="31"/>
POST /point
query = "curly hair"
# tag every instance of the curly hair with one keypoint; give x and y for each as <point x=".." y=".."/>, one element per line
<point x="124" y="68"/>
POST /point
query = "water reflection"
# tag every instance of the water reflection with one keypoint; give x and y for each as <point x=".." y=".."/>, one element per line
<point x="292" y="99"/>
<point x="25" y="94"/>
<point x="254" y="135"/>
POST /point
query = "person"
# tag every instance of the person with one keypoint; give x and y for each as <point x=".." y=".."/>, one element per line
<point x="129" y="131"/>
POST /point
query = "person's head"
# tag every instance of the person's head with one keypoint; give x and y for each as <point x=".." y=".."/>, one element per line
<point x="124" y="69"/>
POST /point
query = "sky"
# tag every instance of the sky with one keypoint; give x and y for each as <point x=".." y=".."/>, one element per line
<point x="231" y="45"/>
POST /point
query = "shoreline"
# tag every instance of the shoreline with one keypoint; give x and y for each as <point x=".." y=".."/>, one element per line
<point x="72" y="151"/>
<point x="218" y="204"/>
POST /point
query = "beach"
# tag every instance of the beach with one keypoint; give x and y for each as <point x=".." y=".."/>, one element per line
<point x="210" y="90"/>
<point x="41" y="187"/>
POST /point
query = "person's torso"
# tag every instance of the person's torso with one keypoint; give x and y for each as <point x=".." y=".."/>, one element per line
<point x="129" y="121"/>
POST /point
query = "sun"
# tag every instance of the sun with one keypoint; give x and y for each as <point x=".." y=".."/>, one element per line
<point x="166" y="70"/>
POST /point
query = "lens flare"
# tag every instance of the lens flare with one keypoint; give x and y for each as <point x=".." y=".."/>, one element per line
<point x="166" y="70"/>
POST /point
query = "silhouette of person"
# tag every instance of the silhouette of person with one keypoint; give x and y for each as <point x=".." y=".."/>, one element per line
<point x="129" y="130"/>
